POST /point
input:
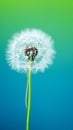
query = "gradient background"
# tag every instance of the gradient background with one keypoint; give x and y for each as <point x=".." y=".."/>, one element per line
<point x="52" y="103"/>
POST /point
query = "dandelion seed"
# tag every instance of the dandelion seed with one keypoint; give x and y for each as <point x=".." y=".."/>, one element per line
<point x="30" y="51"/>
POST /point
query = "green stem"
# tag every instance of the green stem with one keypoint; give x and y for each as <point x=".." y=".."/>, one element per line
<point x="29" y="97"/>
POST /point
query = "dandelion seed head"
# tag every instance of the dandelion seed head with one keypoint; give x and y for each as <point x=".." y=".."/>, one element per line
<point x="30" y="38"/>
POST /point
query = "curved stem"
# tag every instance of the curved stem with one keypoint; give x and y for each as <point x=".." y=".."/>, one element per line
<point x="29" y="97"/>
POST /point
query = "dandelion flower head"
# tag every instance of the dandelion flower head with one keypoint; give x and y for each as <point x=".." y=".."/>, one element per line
<point x="30" y="38"/>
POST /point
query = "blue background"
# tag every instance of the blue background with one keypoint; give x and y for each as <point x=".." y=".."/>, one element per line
<point x="52" y="96"/>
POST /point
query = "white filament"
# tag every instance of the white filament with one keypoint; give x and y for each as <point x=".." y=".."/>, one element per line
<point x="31" y="37"/>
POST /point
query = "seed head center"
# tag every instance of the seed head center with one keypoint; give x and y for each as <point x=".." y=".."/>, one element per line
<point x="31" y="52"/>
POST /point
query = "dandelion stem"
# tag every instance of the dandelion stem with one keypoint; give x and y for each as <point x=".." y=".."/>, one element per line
<point x="29" y="97"/>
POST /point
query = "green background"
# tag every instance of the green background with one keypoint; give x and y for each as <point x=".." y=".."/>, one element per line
<point x="52" y="107"/>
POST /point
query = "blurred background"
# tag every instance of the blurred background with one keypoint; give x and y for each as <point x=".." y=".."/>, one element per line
<point x="52" y="96"/>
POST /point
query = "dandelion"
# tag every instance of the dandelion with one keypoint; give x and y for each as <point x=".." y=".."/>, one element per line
<point x="30" y="51"/>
